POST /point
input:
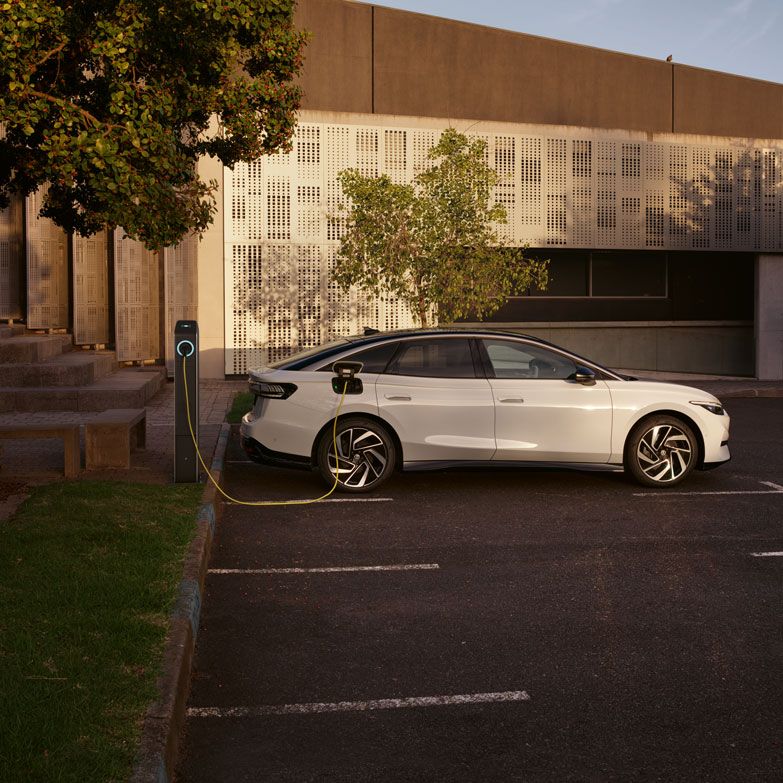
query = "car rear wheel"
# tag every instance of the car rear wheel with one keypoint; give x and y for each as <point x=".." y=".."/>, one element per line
<point x="661" y="451"/>
<point x="365" y="455"/>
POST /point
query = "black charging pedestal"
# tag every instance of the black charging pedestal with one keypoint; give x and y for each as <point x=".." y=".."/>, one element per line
<point x="186" y="466"/>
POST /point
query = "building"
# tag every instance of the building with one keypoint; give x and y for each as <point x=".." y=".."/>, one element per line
<point x="655" y="188"/>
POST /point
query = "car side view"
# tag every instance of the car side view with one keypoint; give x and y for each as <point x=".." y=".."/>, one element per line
<point x="427" y="399"/>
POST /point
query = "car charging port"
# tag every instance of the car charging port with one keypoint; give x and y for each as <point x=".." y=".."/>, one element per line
<point x="345" y="380"/>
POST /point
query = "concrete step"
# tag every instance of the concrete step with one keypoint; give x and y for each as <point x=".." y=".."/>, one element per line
<point x="127" y="388"/>
<point x="75" y="368"/>
<point x="32" y="348"/>
<point x="11" y="330"/>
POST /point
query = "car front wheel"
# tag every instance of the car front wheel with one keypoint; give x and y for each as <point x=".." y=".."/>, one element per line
<point x="661" y="451"/>
<point x="365" y="456"/>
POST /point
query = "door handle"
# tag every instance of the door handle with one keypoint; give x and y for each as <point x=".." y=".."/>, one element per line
<point x="397" y="397"/>
<point x="510" y="399"/>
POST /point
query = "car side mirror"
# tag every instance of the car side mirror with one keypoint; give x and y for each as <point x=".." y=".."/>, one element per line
<point x="583" y="375"/>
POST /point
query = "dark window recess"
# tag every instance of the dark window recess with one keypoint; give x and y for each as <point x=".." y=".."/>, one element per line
<point x="629" y="274"/>
<point x="442" y="358"/>
<point x="569" y="275"/>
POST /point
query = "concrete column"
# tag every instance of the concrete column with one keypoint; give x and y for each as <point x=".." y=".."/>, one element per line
<point x="769" y="317"/>
<point x="211" y="321"/>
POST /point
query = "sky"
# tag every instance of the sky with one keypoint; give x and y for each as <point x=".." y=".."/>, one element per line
<point x="736" y="36"/>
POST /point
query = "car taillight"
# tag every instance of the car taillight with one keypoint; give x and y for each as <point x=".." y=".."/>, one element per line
<point x="277" y="391"/>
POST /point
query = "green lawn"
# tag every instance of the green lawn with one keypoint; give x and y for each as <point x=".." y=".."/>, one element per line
<point x="243" y="402"/>
<point x="88" y="575"/>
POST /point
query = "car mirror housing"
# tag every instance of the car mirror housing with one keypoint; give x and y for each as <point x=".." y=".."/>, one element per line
<point x="583" y="375"/>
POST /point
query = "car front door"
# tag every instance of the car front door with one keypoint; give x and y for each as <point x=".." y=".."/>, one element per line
<point x="431" y="394"/>
<point x="541" y="412"/>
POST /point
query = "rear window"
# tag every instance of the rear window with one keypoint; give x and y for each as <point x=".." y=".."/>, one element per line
<point x="373" y="359"/>
<point x="440" y="358"/>
<point x="302" y="356"/>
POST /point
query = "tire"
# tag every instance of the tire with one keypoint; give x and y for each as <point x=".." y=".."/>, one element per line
<point x="364" y="447"/>
<point x="661" y="451"/>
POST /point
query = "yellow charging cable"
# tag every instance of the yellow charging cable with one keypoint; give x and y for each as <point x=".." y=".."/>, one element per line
<point x="263" y="502"/>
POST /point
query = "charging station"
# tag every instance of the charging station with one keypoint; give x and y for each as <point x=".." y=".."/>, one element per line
<point x="186" y="464"/>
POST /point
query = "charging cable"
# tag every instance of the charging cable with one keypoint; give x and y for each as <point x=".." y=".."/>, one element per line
<point x="263" y="502"/>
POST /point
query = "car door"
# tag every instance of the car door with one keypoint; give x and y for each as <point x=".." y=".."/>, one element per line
<point x="431" y="394"/>
<point x="541" y="412"/>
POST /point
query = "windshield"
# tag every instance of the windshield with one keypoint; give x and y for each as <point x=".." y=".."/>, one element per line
<point x="298" y="357"/>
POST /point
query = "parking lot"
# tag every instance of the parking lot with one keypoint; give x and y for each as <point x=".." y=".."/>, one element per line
<point x="498" y="625"/>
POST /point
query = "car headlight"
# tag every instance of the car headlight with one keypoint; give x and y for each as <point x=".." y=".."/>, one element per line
<point x="276" y="391"/>
<point x="712" y="407"/>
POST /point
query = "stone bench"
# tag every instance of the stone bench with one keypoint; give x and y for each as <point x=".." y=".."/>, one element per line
<point x="69" y="433"/>
<point x="110" y="436"/>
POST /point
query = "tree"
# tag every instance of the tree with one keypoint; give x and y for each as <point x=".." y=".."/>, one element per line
<point x="110" y="102"/>
<point x="434" y="243"/>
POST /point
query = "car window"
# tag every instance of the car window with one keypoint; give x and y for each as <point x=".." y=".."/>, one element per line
<point x="373" y="359"/>
<point x="510" y="359"/>
<point x="439" y="358"/>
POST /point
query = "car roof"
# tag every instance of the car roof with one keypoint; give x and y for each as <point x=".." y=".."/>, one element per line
<point x="374" y="337"/>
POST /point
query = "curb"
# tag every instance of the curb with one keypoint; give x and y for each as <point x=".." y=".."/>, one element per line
<point x="760" y="392"/>
<point x="165" y="719"/>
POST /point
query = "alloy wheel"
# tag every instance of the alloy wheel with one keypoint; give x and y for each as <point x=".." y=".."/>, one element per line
<point x="361" y="457"/>
<point x="664" y="453"/>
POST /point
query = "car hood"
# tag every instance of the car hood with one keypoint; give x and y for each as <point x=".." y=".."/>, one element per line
<point x="664" y="388"/>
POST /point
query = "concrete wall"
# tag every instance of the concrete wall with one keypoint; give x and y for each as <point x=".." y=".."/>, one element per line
<point x="769" y="317"/>
<point x="365" y="58"/>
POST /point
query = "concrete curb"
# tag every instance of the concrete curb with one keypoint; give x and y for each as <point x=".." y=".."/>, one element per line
<point x="165" y="719"/>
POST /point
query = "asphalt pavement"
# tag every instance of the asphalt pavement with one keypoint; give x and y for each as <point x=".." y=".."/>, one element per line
<point x="493" y="625"/>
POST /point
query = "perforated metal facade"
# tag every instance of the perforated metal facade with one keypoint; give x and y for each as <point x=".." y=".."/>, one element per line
<point x="567" y="188"/>
<point x="91" y="289"/>
<point x="10" y="260"/>
<point x="181" y="290"/>
<point x="136" y="298"/>
<point x="47" y="268"/>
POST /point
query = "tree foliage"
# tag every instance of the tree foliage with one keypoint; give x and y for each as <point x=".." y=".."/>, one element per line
<point x="434" y="243"/>
<point x="110" y="102"/>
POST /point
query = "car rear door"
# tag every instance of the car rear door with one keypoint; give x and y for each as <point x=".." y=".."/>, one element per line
<point x="431" y="394"/>
<point x="541" y="414"/>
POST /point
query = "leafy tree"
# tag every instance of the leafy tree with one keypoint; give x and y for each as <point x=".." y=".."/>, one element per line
<point x="434" y="243"/>
<point x="110" y="101"/>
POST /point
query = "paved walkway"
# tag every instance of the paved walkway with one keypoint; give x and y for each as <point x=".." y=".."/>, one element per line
<point x="28" y="462"/>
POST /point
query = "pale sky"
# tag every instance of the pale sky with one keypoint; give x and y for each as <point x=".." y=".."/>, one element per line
<point x="737" y="36"/>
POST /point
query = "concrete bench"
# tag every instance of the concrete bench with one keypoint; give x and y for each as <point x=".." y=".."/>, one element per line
<point x="110" y="436"/>
<point x="69" y="433"/>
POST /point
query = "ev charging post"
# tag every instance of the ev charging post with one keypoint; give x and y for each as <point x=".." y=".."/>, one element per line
<point x="186" y="464"/>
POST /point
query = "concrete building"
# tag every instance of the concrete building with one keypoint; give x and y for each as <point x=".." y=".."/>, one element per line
<point x="654" y="188"/>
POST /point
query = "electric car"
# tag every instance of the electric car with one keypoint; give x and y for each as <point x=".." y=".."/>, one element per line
<point x="427" y="399"/>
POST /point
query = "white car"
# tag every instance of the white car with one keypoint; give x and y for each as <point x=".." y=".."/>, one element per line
<point x="435" y="398"/>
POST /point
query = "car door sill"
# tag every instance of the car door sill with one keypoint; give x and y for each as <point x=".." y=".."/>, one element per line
<point x="423" y="465"/>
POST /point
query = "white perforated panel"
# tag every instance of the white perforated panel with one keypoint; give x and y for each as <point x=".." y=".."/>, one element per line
<point x="91" y="289"/>
<point x="11" y="260"/>
<point x="136" y="298"/>
<point x="180" y="275"/>
<point x="603" y="190"/>
<point x="47" y="268"/>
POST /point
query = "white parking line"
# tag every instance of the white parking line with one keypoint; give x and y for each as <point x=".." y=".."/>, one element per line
<point x="338" y="500"/>
<point x="331" y="570"/>
<point x="777" y="489"/>
<point x="766" y="554"/>
<point x="356" y="706"/>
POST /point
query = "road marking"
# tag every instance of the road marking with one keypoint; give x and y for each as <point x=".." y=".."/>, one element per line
<point x="331" y="570"/>
<point x="337" y="500"/>
<point x="777" y="489"/>
<point x="356" y="706"/>
<point x="766" y="554"/>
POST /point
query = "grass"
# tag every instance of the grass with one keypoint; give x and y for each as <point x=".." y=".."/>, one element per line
<point x="88" y="575"/>
<point x="243" y="402"/>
